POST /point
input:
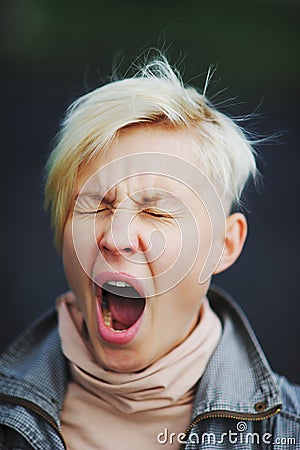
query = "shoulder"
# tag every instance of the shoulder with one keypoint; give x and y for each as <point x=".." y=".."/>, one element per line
<point x="34" y="367"/>
<point x="286" y="429"/>
<point x="290" y="395"/>
<point x="31" y="342"/>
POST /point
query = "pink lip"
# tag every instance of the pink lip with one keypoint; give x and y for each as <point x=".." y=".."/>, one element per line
<point x="119" y="337"/>
<point x="120" y="276"/>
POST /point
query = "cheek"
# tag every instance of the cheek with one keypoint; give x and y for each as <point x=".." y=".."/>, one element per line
<point x="80" y="244"/>
<point x="209" y="246"/>
<point x="178" y="312"/>
<point x="186" y="304"/>
<point x="72" y="259"/>
<point x="68" y="251"/>
<point x="165" y="246"/>
<point x="78" y="280"/>
<point x="162" y="258"/>
<point x="179" y="254"/>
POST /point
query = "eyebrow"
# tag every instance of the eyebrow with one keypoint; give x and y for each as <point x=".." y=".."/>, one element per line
<point x="93" y="195"/>
<point x="147" y="196"/>
<point x="150" y="197"/>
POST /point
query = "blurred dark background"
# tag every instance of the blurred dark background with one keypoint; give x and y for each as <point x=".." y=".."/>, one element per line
<point x="52" y="51"/>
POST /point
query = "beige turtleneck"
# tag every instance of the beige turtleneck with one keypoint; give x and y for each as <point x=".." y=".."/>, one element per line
<point x="108" y="410"/>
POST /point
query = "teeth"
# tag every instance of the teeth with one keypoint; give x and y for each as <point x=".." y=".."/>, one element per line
<point x="118" y="283"/>
<point x="108" y="321"/>
<point x="107" y="318"/>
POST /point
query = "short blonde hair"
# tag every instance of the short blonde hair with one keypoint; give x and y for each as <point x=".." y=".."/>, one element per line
<point x="154" y="95"/>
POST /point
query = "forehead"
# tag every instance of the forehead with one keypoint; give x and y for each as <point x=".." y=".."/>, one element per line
<point x="153" y="150"/>
<point x="150" y="163"/>
<point x="153" y="138"/>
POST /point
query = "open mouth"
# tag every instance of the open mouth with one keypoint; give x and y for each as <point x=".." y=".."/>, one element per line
<point x="121" y="305"/>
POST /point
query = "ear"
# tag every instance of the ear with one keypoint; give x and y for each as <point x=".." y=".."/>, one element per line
<point x="236" y="233"/>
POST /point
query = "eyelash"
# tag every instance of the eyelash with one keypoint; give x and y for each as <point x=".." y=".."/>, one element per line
<point x="145" y="211"/>
<point x="157" y="214"/>
<point x="99" y="211"/>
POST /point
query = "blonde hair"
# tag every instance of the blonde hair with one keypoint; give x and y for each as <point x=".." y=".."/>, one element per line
<point x="155" y="95"/>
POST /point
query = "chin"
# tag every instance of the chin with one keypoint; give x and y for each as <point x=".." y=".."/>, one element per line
<point x="121" y="361"/>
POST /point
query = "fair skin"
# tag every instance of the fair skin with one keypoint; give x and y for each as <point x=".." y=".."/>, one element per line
<point x="138" y="229"/>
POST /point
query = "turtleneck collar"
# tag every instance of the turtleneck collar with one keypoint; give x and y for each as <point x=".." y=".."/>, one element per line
<point x="165" y="389"/>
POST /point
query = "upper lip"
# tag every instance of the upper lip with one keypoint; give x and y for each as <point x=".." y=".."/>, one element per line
<point x="103" y="277"/>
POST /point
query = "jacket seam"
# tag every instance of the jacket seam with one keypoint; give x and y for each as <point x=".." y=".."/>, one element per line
<point x="290" y="416"/>
<point x="21" y="384"/>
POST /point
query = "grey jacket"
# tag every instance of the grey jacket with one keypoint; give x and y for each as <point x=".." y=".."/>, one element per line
<point x="240" y="403"/>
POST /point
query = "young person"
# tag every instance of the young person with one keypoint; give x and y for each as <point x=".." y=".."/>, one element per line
<point x="142" y="352"/>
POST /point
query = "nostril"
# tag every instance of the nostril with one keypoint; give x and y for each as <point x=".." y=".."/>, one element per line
<point x="118" y="244"/>
<point x="108" y="249"/>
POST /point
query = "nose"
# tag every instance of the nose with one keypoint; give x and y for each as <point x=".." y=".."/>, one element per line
<point x="119" y="236"/>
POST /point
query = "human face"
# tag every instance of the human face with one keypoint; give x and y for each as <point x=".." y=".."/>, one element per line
<point x="135" y="222"/>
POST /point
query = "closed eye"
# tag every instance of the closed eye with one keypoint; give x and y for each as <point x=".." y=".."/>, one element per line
<point x="158" y="213"/>
<point x="99" y="210"/>
<point x="149" y="211"/>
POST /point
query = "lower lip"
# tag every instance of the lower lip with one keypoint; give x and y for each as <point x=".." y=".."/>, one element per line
<point x="116" y="337"/>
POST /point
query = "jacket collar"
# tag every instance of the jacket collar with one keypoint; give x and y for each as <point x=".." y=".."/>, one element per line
<point x="34" y="369"/>
<point x="238" y="377"/>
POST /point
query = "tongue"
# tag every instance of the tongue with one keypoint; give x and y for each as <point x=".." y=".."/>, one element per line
<point x="125" y="311"/>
